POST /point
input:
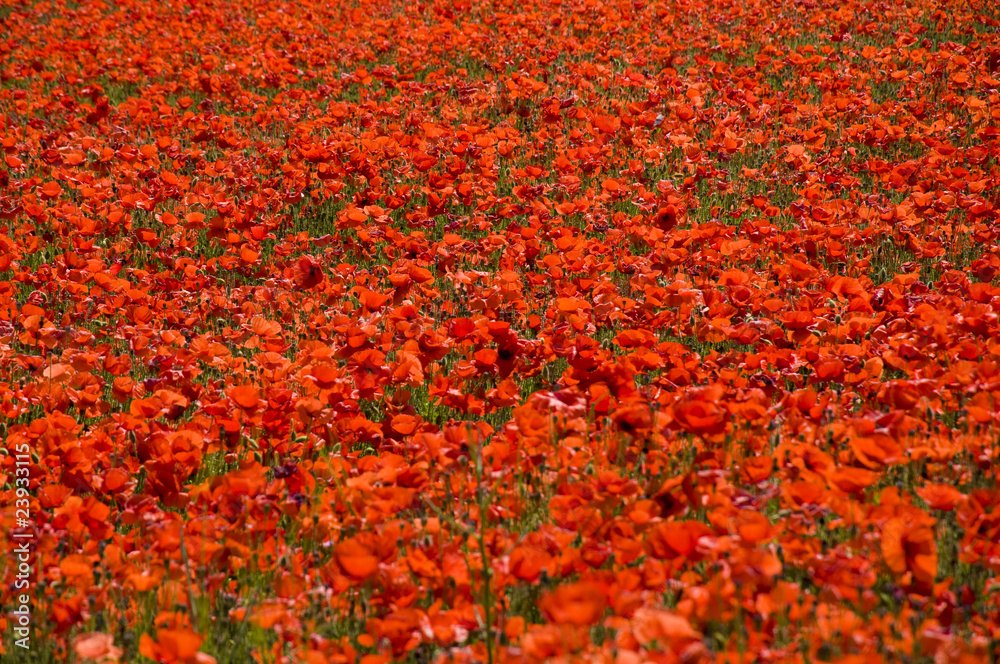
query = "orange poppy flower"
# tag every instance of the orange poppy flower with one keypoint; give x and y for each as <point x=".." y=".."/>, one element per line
<point x="581" y="603"/>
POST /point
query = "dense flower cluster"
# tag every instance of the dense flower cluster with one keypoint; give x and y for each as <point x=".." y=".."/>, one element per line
<point x="508" y="331"/>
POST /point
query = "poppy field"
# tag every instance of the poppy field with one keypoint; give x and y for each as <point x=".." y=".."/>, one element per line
<point x="509" y="332"/>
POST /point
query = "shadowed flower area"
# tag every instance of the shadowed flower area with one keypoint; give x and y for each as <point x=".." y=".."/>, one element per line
<point x="503" y="332"/>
